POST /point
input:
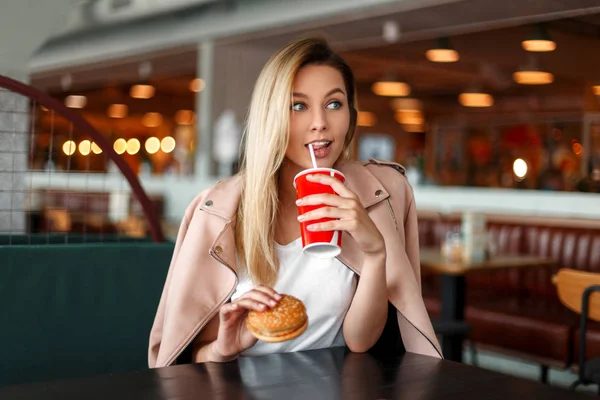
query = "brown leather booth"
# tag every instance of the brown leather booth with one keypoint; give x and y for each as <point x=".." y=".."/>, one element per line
<point x="518" y="311"/>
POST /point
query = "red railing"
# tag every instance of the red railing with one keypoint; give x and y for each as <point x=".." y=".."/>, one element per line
<point x="83" y="126"/>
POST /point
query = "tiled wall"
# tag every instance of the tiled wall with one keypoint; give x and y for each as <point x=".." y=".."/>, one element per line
<point x="14" y="120"/>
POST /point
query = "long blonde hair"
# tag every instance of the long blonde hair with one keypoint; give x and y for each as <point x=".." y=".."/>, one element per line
<point x="265" y="142"/>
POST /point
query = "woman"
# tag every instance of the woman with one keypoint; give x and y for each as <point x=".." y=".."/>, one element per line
<point x="238" y="246"/>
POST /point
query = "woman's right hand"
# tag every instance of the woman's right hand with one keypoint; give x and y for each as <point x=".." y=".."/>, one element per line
<point x="233" y="336"/>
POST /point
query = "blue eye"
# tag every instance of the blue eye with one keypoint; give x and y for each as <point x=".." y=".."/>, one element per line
<point x="334" y="105"/>
<point x="298" y="107"/>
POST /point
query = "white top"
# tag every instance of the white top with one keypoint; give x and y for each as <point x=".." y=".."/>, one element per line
<point x="326" y="286"/>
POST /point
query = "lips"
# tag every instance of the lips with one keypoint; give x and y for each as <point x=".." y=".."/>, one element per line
<point x="321" y="147"/>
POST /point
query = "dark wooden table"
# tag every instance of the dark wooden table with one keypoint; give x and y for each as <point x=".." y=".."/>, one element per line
<point x="318" y="374"/>
<point x="453" y="287"/>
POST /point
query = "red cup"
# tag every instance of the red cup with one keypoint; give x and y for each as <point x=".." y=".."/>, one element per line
<point x="323" y="244"/>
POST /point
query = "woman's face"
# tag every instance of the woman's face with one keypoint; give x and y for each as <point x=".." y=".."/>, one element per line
<point x="319" y="115"/>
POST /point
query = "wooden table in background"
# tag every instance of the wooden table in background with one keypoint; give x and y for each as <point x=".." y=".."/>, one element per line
<point x="453" y="286"/>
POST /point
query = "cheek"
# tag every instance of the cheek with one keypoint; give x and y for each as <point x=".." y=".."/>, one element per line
<point x="341" y="124"/>
<point x="299" y="122"/>
<point x="297" y="131"/>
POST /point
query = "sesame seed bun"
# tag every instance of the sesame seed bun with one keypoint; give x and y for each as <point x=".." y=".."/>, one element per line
<point x="286" y="321"/>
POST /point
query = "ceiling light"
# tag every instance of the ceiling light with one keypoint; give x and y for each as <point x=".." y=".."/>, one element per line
<point x="391" y="88"/>
<point x="117" y="111"/>
<point x="538" y="45"/>
<point x="75" y="101"/>
<point x="533" y="77"/>
<point x="442" y="52"/>
<point x="142" y="91"/>
<point x="476" y="99"/>
<point x="539" y="41"/>
<point x="532" y="74"/>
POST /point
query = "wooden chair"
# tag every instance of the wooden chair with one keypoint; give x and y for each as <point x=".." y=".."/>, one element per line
<point x="576" y="291"/>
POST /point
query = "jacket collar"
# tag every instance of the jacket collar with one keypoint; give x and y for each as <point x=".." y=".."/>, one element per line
<point x="222" y="200"/>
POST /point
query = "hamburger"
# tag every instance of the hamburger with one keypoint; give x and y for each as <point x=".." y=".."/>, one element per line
<point x="286" y="321"/>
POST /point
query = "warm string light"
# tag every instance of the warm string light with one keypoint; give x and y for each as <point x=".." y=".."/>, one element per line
<point x="152" y="145"/>
<point x="167" y="144"/>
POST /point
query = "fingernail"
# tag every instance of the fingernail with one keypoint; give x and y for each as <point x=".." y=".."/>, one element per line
<point x="298" y="202"/>
<point x="261" y="306"/>
<point x="278" y="296"/>
<point x="301" y="217"/>
<point x="273" y="303"/>
<point x="310" y="227"/>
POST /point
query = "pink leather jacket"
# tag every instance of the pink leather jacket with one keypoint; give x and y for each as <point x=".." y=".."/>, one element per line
<point x="203" y="273"/>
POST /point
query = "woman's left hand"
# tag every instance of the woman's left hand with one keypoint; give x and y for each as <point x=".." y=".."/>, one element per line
<point x="348" y="213"/>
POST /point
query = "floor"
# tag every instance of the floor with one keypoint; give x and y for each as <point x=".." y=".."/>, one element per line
<point x="524" y="369"/>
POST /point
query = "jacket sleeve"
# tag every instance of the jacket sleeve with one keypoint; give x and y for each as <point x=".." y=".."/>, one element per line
<point x="411" y="226"/>
<point x="415" y="325"/>
<point x="157" y="327"/>
<point x="411" y="233"/>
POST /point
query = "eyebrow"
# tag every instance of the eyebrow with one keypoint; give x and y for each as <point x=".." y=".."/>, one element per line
<point x="332" y="91"/>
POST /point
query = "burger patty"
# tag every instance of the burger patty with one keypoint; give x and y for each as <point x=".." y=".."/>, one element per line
<point x="281" y="332"/>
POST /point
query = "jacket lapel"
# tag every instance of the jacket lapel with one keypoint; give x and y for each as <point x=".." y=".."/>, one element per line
<point x="222" y="203"/>
<point x="223" y="200"/>
<point x="370" y="192"/>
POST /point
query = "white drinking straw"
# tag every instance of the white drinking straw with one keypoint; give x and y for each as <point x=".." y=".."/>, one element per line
<point x="312" y="155"/>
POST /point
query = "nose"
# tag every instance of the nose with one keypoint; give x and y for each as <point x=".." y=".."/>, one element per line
<point x="319" y="120"/>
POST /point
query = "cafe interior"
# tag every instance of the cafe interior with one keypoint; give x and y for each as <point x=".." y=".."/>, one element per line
<point x="492" y="109"/>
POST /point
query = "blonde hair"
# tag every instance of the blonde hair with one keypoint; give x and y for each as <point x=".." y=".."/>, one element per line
<point x="266" y="139"/>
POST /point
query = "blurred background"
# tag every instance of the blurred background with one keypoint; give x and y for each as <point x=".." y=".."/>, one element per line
<point x="492" y="106"/>
<point x="465" y="94"/>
